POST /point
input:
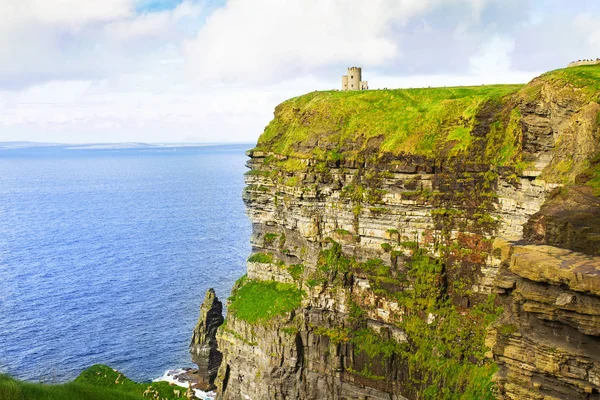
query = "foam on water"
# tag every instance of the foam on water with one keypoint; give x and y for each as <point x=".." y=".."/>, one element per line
<point x="171" y="377"/>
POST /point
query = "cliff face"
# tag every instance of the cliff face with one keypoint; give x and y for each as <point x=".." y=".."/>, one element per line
<point x="547" y="341"/>
<point x="390" y="256"/>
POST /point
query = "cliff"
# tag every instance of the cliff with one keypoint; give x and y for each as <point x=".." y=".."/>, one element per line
<point x="423" y="244"/>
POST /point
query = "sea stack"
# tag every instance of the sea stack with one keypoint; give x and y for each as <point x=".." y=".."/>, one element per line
<point x="203" y="348"/>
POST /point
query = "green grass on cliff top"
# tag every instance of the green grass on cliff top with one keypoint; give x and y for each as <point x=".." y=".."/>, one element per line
<point x="585" y="77"/>
<point x="429" y="122"/>
<point x="415" y="121"/>
<point x="96" y="383"/>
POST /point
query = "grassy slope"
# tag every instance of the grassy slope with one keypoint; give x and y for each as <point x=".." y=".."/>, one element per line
<point x="586" y="78"/>
<point x="430" y="122"/>
<point x="96" y="383"/>
<point x="415" y="121"/>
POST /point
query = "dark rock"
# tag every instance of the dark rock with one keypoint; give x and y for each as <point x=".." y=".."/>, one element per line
<point x="570" y="219"/>
<point x="204" y="348"/>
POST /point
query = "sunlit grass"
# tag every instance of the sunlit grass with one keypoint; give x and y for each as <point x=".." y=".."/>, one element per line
<point x="257" y="301"/>
<point x="96" y="383"/>
<point x="415" y="121"/>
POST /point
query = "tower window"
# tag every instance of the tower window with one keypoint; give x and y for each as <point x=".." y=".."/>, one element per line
<point x="351" y="76"/>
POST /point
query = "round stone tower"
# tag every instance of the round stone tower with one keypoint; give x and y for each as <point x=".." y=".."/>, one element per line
<point x="354" y="78"/>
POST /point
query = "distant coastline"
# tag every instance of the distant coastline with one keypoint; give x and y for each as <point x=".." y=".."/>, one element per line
<point x="123" y="145"/>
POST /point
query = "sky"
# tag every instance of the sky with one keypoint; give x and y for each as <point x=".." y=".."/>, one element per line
<point x="89" y="71"/>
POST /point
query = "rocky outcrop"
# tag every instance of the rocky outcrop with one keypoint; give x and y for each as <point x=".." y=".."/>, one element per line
<point x="569" y="219"/>
<point x="384" y="270"/>
<point x="547" y="343"/>
<point x="204" y="347"/>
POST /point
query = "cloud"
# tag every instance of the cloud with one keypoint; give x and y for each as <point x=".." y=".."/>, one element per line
<point x="270" y="40"/>
<point x="154" y="24"/>
<point x="589" y="28"/>
<point x="166" y="70"/>
<point x="72" y="13"/>
<point x="45" y="40"/>
<point x="493" y="58"/>
<point x="100" y="111"/>
<point x="558" y="33"/>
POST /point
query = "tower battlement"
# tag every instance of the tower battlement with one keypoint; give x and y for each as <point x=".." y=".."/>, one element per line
<point x="353" y="81"/>
<point x="584" y="62"/>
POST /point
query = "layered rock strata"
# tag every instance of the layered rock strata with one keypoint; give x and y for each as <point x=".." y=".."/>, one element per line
<point x="547" y="343"/>
<point x="383" y="273"/>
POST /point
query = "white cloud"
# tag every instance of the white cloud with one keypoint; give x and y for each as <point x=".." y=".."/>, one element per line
<point x="70" y="12"/>
<point x="589" y="28"/>
<point x="42" y="40"/>
<point x="91" y="70"/>
<point x="268" y="40"/>
<point x="98" y="111"/>
<point x="493" y="58"/>
<point x="155" y="24"/>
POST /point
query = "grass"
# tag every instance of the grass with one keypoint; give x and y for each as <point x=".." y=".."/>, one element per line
<point x="594" y="174"/>
<point x="259" y="301"/>
<point x="586" y="78"/>
<point x="447" y="356"/>
<point x="332" y="126"/>
<point x="98" y="382"/>
<point x="417" y="121"/>
<point x="263" y="258"/>
<point x="296" y="271"/>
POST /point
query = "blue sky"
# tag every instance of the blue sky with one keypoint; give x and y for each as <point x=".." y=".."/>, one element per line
<point x="148" y="6"/>
<point x="156" y="5"/>
<point x="199" y="70"/>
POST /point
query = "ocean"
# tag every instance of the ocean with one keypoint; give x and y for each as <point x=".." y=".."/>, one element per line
<point x="106" y="253"/>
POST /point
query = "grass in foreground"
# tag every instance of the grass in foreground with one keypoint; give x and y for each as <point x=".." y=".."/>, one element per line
<point x="98" y="382"/>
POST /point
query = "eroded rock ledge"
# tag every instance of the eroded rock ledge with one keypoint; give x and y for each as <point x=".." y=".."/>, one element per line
<point x="547" y="342"/>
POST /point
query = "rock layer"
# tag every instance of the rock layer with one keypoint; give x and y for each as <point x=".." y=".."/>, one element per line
<point x="204" y="346"/>
<point x="548" y="341"/>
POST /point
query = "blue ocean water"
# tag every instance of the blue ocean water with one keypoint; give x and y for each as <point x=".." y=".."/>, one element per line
<point x="105" y="254"/>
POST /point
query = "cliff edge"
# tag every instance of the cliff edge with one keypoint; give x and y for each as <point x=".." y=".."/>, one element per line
<point x="423" y="244"/>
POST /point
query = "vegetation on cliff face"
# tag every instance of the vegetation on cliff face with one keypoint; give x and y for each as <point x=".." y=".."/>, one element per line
<point x="259" y="301"/>
<point x="594" y="175"/>
<point x="445" y="354"/>
<point x="96" y="383"/>
<point x="576" y="93"/>
<point x="445" y="357"/>
<point x="264" y="258"/>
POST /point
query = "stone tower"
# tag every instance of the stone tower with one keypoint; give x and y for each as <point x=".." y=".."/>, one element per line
<point x="353" y="81"/>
